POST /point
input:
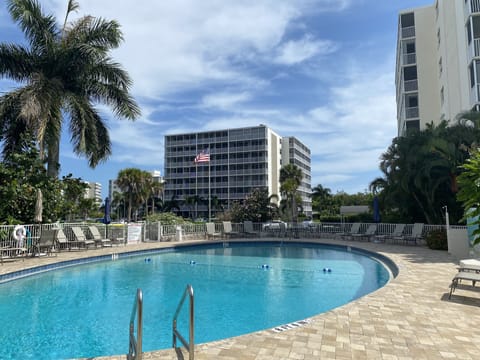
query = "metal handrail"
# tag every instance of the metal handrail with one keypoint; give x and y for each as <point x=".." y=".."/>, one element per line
<point x="190" y="346"/>
<point x="135" y="344"/>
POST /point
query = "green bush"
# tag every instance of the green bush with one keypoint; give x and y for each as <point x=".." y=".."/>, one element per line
<point x="437" y="240"/>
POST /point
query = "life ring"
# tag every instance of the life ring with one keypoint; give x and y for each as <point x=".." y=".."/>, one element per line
<point x="19" y="232"/>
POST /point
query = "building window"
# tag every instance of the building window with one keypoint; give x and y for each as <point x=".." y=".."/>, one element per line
<point x="438" y="37"/>
<point x="440" y="66"/>
<point x="436" y="10"/>
<point x="407" y="24"/>
<point x="442" y="96"/>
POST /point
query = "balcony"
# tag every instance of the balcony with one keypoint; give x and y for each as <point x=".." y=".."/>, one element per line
<point x="410" y="85"/>
<point x="411" y="113"/>
<point x="474" y="49"/>
<point x="409" y="32"/>
<point x="409" y="59"/>
<point x="472" y="6"/>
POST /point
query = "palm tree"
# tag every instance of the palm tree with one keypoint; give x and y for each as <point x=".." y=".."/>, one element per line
<point x="290" y="179"/>
<point x="63" y="73"/>
<point x="132" y="182"/>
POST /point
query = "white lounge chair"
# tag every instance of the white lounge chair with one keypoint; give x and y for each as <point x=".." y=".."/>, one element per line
<point x="80" y="239"/>
<point x="211" y="232"/>
<point x="227" y="229"/>
<point x="99" y="239"/>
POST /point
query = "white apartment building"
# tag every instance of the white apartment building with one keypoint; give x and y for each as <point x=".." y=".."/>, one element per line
<point x="241" y="160"/>
<point x="94" y="191"/>
<point x="438" y="63"/>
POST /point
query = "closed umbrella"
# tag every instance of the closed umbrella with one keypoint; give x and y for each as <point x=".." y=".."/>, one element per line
<point x="376" y="210"/>
<point x="106" y="218"/>
<point x="38" y="207"/>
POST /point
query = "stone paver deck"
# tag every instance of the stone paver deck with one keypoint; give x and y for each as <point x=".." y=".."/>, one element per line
<point x="410" y="318"/>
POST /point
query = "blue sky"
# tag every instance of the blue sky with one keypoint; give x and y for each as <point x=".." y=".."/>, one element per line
<point x="320" y="70"/>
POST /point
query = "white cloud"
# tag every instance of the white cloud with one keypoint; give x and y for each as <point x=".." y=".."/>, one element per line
<point x="293" y="52"/>
<point x="225" y="100"/>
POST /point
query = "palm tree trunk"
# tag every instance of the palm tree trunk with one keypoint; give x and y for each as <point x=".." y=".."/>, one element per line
<point x="53" y="159"/>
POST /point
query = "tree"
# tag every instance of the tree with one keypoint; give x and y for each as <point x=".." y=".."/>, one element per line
<point x="421" y="170"/>
<point x="469" y="190"/>
<point x="290" y="180"/>
<point x="73" y="196"/>
<point x="63" y="72"/>
<point x="133" y="182"/>
<point x="22" y="174"/>
<point x="256" y="207"/>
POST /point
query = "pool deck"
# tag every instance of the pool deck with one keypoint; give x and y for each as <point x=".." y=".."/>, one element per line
<point x="410" y="318"/>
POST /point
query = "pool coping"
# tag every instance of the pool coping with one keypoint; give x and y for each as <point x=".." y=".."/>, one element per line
<point x="408" y="318"/>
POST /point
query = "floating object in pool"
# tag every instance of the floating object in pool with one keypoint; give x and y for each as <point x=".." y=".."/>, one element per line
<point x="192" y="262"/>
<point x="327" y="270"/>
<point x="147" y="259"/>
<point x="265" y="266"/>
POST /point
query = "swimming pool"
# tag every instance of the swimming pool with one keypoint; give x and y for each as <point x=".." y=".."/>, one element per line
<point x="84" y="311"/>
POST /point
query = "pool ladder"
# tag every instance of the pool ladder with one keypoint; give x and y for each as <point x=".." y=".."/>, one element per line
<point x="190" y="346"/>
<point x="135" y="344"/>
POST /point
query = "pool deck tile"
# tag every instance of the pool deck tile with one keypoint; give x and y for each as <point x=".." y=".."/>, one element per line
<point x="409" y="318"/>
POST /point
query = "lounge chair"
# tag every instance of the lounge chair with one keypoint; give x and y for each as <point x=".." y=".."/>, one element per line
<point x="227" y="229"/>
<point x="397" y="234"/>
<point x="368" y="234"/>
<point x="46" y="242"/>
<point x="416" y="235"/>
<point x="248" y="229"/>
<point x="470" y="265"/>
<point x="99" y="239"/>
<point x="464" y="275"/>
<point x="348" y="234"/>
<point x="79" y="238"/>
<point x="62" y="241"/>
<point x="211" y="232"/>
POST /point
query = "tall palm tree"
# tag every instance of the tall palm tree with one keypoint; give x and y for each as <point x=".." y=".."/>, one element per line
<point x="64" y="72"/>
<point x="131" y="181"/>
<point x="290" y="179"/>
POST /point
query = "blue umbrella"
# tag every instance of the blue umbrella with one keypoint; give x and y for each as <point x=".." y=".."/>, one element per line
<point x="106" y="218"/>
<point x="376" y="210"/>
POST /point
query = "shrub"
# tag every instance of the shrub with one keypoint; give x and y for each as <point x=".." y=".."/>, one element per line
<point x="437" y="239"/>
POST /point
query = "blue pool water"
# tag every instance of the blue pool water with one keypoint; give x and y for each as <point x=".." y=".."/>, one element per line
<point x="84" y="311"/>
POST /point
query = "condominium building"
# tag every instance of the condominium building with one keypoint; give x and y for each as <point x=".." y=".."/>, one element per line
<point x="94" y="191"/>
<point x="295" y="152"/>
<point x="438" y="63"/>
<point x="239" y="160"/>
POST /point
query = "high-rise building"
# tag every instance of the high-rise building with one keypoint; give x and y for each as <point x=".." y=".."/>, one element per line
<point x="438" y="63"/>
<point x="295" y="152"/>
<point x="94" y="191"/>
<point x="239" y="160"/>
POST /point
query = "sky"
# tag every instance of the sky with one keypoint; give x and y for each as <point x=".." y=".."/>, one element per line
<point x="320" y="70"/>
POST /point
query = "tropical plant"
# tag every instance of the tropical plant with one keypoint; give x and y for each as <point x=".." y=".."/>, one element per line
<point x="290" y="179"/>
<point x="63" y="73"/>
<point x="420" y="172"/>
<point x="257" y="207"/>
<point x="133" y="182"/>
<point x="469" y="190"/>
<point x="22" y="175"/>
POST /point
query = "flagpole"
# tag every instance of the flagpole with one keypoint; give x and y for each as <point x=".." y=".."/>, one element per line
<point x="196" y="190"/>
<point x="209" y="196"/>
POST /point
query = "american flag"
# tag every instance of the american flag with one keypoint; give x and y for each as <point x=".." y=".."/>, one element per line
<point x="203" y="156"/>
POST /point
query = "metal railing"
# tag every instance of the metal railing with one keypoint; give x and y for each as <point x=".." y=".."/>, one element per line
<point x="135" y="344"/>
<point x="190" y="346"/>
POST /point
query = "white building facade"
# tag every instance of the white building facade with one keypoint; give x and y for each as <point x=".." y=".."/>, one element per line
<point x="241" y="160"/>
<point x="438" y="63"/>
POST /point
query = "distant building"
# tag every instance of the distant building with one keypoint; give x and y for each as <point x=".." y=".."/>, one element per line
<point x="295" y="152"/>
<point x="438" y="63"/>
<point x="94" y="191"/>
<point x="240" y="160"/>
